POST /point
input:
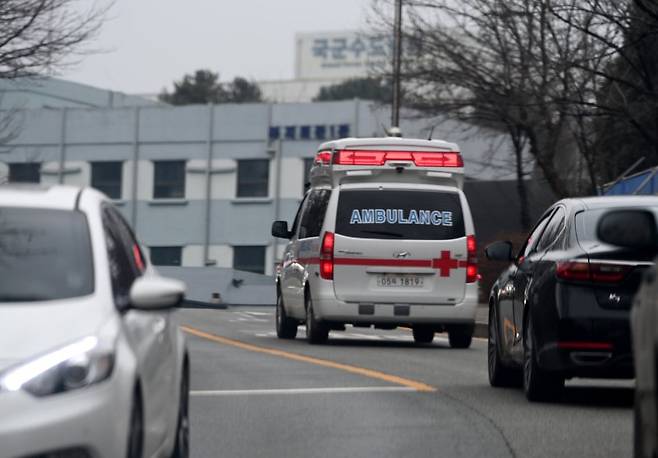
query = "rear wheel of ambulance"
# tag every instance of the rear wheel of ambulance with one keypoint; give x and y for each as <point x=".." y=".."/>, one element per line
<point x="317" y="332"/>
<point x="423" y="334"/>
<point x="460" y="335"/>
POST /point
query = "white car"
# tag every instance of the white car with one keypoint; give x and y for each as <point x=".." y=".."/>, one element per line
<point x="635" y="229"/>
<point x="91" y="363"/>
<point x="384" y="237"/>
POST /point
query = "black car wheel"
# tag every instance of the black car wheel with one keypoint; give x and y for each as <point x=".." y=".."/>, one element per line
<point x="460" y="336"/>
<point x="423" y="334"/>
<point x="316" y="331"/>
<point x="538" y="385"/>
<point x="182" y="447"/>
<point x="286" y="328"/>
<point x="136" y="432"/>
<point x="499" y="374"/>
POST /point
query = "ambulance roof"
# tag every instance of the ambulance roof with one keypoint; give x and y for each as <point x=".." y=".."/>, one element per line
<point x="389" y="143"/>
<point x="387" y="159"/>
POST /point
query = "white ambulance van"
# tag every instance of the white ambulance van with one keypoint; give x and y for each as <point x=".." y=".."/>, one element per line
<point x="383" y="237"/>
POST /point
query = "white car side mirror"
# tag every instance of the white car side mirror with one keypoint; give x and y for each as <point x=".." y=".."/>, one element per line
<point x="156" y="293"/>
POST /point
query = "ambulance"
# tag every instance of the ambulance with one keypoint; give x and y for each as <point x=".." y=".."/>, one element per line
<point x="383" y="238"/>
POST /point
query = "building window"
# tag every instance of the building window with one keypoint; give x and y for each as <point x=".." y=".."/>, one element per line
<point x="291" y="132"/>
<point x="344" y="130"/>
<point x="253" y="178"/>
<point x="249" y="258"/>
<point x="106" y="177"/>
<point x="308" y="163"/>
<point x="25" y="172"/>
<point x="274" y="133"/>
<point x="305" y="132"/>
<point x="166" y="255"/>
<point x="320" y="132"/>
<point x="169" y="180"/>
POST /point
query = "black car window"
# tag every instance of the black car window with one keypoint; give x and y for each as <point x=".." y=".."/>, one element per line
<point x="554" y="230"/>
<point x="400" y="214"/>
<point x="534" y="237"/>
<point x="313" y="214"/>
<point x="587" y="221"/>
<point x="122" y="271"/>
<point x="44" y="255"/>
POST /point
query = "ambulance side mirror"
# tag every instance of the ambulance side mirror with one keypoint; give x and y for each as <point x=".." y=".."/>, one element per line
<point x="280" y="230"/>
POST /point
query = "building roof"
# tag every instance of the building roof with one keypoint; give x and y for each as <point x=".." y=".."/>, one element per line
<point x="46" y="92"/>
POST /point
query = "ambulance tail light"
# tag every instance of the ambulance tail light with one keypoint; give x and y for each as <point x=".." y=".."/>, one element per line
<point x="379" y="158"/>
<point x="472" y="263"/>
<point x="327" y="256"/>
<point x="323" y="158"/>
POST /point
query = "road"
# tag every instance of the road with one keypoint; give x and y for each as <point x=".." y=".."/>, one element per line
<point x="374" y="393"/>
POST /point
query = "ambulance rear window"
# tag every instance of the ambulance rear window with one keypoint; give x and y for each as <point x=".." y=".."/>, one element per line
<point x="411" y="215"/>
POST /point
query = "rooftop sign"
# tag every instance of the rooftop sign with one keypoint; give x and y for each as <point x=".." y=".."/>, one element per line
<point x="339" y="55"/>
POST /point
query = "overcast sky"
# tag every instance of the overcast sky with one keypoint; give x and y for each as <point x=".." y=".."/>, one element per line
<point x="149" y="43"/>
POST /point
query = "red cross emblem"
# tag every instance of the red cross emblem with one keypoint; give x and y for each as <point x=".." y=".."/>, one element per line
<point x="445" y="264"/>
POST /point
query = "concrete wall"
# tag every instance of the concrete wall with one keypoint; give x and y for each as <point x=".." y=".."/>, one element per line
<point x="235" y="287"/>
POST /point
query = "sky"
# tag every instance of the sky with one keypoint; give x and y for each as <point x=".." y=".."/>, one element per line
<point x="147" y="44"/>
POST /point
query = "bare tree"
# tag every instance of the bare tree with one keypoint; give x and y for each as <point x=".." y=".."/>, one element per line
<point x="625" y="106"/>
<point x="517" y="66"/>
<point x="39" y="35"/>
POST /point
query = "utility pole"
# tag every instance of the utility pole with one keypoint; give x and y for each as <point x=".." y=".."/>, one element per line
<point x="397" y="51"/>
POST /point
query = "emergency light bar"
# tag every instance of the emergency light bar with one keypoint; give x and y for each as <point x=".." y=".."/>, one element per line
<point x="379" y="158"/>
<point x="388" y="160"/>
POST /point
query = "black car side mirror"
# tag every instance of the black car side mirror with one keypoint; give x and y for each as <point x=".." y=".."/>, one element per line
<point x="635" y="229"/>
<point x="499" y="251"/>
<point x="280" y="230"/>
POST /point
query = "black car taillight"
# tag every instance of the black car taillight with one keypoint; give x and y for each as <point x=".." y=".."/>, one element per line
<point x="595" y="272"/>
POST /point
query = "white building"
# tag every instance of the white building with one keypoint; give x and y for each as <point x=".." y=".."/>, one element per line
<point x="327" y="58"/>
<point x="201" y="184"/>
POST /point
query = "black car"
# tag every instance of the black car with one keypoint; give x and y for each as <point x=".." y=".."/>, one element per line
<point x="561" y="309"/>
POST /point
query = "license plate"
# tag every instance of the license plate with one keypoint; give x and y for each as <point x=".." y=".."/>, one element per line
<point x="399" y="281"/>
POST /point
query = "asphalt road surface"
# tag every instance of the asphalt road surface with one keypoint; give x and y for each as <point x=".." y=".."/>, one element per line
<point x="374" y="393"/>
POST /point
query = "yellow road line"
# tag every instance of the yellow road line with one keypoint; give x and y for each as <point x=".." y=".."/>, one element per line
<point x="418" y="386"/>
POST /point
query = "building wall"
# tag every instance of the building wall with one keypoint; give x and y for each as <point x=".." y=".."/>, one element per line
<point x="139" y="136"/>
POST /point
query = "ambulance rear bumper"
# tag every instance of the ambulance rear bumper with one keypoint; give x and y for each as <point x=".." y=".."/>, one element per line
<point x="328" y="308"/>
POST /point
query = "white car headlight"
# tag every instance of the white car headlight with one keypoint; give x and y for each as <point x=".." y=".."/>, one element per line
<point x="76" y="365"/>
